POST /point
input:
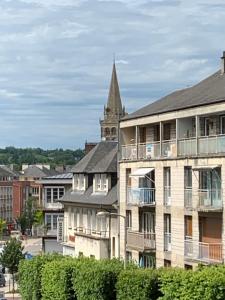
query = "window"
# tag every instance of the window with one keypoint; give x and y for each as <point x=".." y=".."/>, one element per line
<point x="113" y="131"/>
<point x="55" y="195"/>
<point x="55" y="218"/>
<point x="128" y="218"/>
<point x="113" y="246"/>
<point x="129" y="256"/>
<point x="79" y="182"/>
<point x="166" y="131"/>
<point x="100" y="182"/>
<point x="167" y="232"/>
<point x="48" y="222"/>
<point x="167" y="186"/>
<point x="222" y="124"/>
<point x="148" y="222"/>
<point x="35" y="191"/>
<point x="188" y="227"/>
<point x="167" y="263"/>
<point x="146" y="260"/>
<point x="75" y="218"/>
<point x="187" y="177"/>
<point x="61" y="192"/>
<point x="49" y="195"/>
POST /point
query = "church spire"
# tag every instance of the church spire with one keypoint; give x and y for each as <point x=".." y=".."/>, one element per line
<point x="113" y="110"/>
<point x="114" y="105"/>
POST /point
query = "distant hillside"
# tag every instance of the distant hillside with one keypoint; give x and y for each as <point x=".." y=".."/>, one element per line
<point x="19" y="156"/>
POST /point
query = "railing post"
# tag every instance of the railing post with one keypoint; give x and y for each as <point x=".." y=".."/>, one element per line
<point x="197" y="132"/>
<point x="137" y="140"/>
<point x="160" y="136"/>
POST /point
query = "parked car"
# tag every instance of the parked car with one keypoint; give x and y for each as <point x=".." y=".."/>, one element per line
<point x="2" y="279"/>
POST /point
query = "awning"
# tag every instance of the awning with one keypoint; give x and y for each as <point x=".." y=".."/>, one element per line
<point x="142" y="172"/>
<point x="199" y="168"/>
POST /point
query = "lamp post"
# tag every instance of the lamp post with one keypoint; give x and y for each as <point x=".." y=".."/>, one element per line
<point x="106" y="213"/>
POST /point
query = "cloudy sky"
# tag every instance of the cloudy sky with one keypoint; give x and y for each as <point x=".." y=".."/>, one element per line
<point x="56" y="61"/>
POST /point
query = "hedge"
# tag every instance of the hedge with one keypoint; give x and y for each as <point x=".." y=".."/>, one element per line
<point x="205" y="283"/>
<point x="97" y="281"/>
<point x="140" y="284"/>
<point x="30" y="275"/>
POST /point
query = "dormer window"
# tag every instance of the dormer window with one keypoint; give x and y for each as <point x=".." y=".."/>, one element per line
<point x="79" y="182"/>
<point x="101" y="183"/>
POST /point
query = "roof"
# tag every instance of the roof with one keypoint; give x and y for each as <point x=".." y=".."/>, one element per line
<point x="60" y="176"/>
<point x="6" y="171"/>
<point x="114" y="100"/>
<point x="65" y="178"/>
<point x="208" y="91"/>
<point x="34" y="171"/>
<point x="101" y="159"/>
<point x="89" y="198"/>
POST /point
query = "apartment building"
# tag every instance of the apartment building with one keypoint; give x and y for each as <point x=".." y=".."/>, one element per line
<point x="53" y="189"/>
<point x="172" y="177"/>
<point x="94" y="191"/>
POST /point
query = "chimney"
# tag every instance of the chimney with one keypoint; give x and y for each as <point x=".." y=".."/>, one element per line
<point x="223" y="63"/>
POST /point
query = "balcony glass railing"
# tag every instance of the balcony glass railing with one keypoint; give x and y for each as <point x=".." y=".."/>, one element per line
<point x="211" y="144"/>
<point x="129" y="152"/>
<point x="141" y="196"/>
<point x="140" y="240"/>
<point x="169" y="148"/>
<point x="167" y="241"/>
<point x="188" y="198"/>
<point x="149" y="150"/>
<point x="187" y="147"/>
<point x="210" y="198"/>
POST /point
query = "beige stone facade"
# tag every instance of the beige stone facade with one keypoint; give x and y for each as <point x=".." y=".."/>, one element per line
<point x="174" y="211"/>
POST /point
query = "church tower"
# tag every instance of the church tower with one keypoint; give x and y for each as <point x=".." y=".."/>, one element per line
<point x="113" y="111"/>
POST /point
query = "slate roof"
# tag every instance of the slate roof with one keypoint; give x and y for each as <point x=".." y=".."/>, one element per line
<point x="34" y="171"/>
<point x="60" y="176"/>
<point x="6" y="171"/>
<point x="208" y="91"/>
<point x="101" y="159"/>
<point x="89" y="198"/>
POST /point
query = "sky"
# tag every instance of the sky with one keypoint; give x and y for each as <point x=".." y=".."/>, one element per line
<point x="56" y="61"/>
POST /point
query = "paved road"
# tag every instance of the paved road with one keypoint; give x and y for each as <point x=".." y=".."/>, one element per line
<point x="33" y="246"/>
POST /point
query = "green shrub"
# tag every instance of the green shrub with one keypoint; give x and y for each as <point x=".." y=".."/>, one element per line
<point x="56" y="280"/>
<point x="96" y="280"/>
<point x="138" y="284"/>
<point x="30" y="275"/>
<point x="206" y="283"/>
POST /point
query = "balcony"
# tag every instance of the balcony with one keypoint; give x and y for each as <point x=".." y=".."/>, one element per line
<point x="149" y="150"/>
<point x="91" y="232"/>
<point x="169" y="148"/>
<point x="167" y="195"/>
<point x="210" y="199"/>
<point x="141" y="196"/>
<point x="140" y="241"/>
<point x="212" y="144"/>
<point x="129" y="152"/>
<point x="167" y="241"/>
<point x="188" y="198"/>
<point x="205" y="252"/>
<point x="187" y="147"/>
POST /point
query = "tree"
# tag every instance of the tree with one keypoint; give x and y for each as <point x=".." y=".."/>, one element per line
<point x="11" y="255"/>
<point x="27" y="218"/>
<point x="2" y="226"/>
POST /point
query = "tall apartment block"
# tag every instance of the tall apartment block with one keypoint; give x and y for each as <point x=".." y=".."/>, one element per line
<point x="172" y="177"/>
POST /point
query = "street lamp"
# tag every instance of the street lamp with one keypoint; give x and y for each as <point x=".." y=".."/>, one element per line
<point x="106" y="213"/>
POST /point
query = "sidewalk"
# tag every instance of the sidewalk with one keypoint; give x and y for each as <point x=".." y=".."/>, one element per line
<point x="10" y="296"/>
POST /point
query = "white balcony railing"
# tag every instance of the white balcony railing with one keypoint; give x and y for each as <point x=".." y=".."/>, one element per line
<point x="141" y="196"/>
<point x="129" y="152"/>
<point x="167" y="195"/>
<point x="188" y="198"/>
<point x="140" y="240"/>
<point x="167" y="241"/>
<point x="169" y="148"/>
<point x="210" y="198"/>
<point x="149" y="150"/>
<point x="205" y="252"/>
<point x="187" y="147"/>
<point x="211" y="144"/>
<point x="91" y="232"/>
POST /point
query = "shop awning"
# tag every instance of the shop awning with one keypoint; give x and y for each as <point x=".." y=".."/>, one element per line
<point x="142" y="172"/>
<point x="210" y="167"/>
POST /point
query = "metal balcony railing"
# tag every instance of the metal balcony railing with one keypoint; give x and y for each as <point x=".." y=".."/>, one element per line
<point x="92" y="232"/>
<point x="205" y="252"/>
<point x="140" y="240"/>
<point x="141" y="196"/>
<point x="167" y="195"/>
<point x="210" y="198"/>
<point x="167" y="241"/>
<point x="188" y="198"/>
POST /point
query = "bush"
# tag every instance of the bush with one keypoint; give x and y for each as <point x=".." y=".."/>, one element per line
<point x="139" y="284"/>
<point x="56" y="280"/>
<point x="205" y="283"/>
<point x="30" y="275"/>
<point x="97" y="280"/>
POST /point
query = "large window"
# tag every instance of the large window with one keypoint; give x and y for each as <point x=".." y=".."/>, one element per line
<point x="53" y="194"/>
<point x="51" y="221"/>
<point x="79" y="182"/>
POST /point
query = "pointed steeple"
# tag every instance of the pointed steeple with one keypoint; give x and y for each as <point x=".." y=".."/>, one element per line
<point x="114" y="105"/>
<point x="113" y="110"/>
